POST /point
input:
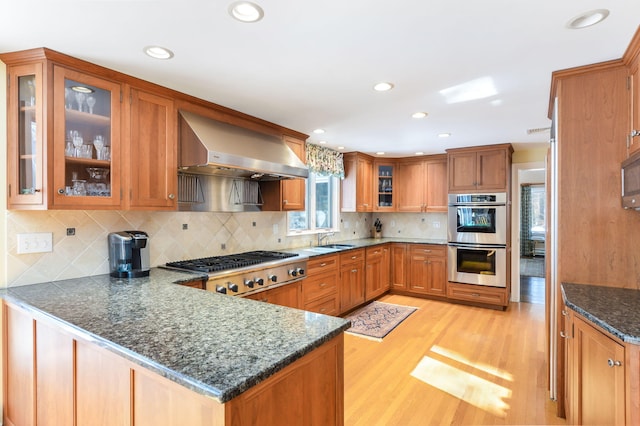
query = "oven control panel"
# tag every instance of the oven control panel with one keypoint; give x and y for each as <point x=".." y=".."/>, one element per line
<point x="236" y="283"/>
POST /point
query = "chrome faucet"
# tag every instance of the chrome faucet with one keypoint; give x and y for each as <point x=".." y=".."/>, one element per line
<point x="322" y="237"/>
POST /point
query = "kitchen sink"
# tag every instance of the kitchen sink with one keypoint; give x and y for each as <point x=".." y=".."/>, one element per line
<point x="329" y="248"/>
<point x="338" y="246"/>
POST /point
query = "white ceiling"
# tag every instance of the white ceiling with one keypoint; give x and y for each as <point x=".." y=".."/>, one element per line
<point x="312" y="64"/>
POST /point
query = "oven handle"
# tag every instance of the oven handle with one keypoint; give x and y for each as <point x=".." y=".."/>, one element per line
<point x="478" y="205"/>
<point x="478" y="246"/>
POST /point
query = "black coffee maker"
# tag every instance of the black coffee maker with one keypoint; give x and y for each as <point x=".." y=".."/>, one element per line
<point x="129" y="254"/>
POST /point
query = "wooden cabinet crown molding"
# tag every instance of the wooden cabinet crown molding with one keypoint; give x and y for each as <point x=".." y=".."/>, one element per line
<point x="633" y="50"/>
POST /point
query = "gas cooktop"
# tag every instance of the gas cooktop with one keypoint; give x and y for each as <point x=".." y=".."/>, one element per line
<point x="232" y="261"/>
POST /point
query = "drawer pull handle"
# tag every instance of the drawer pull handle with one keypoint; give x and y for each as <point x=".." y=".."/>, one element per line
<point x="427" y="251"/>
<point x="323" y="284"/>
<point x="564" y="313"/>
<point x="613" y="363"/>
<point x="354" y="257"/>
<point x="323" y="264"/>
<point x="353" y="271"/>
<point x="475" y="294"/>
<point x="323" y="310"/>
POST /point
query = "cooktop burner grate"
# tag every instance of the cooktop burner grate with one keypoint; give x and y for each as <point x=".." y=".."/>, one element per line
<point x="233" y="261"/>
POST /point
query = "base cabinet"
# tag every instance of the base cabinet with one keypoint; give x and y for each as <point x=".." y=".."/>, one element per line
<point x="289" y="295"/>
<point x="320" y="288"/>
<point x="597" y="375"/>
<point x="377" y="275"/>
<point x="427" y="269"/>
<point x="478" y="294"/>
<point x="82" y="383"/>
<point x="352" y="279"/>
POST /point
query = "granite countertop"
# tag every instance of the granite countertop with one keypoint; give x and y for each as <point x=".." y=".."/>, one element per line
<point x="213" y="344"/>
<point x="616" y="310"/>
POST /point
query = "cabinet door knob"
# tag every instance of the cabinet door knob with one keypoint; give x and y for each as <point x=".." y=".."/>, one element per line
<point x="564" y="336"/>
<point x="613" y="363"/>
<point x="635" y="133"/>
<point x="172" y="196"/>
<point x="61" y="191"/>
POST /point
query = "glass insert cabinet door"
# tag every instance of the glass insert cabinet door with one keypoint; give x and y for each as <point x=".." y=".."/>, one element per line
<point x="25" y="150"/>
<point x="385" y="186"/>
<point x="86" y="140"/>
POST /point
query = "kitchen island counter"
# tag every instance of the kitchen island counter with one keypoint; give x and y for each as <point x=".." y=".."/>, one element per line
<point x="616" y="310"/>
<point x="216" y="345"/>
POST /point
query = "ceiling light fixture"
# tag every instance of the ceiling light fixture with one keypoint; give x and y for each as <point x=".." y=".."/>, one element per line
<point x="322" y="142"/>
<point x="383" y="87"/>
<point x="587" y="19"/>
<point x="318" y="131"/>
<point x="379" y="153"/>
<point x="419" y="153"/>
<point x="444" y="135"/>
<point x="341" y="148"/>
<point x="82" y="89"/>
<point x="419" y="115"/>
<point x="246" y="11"/>
<point x="158" y="52"/>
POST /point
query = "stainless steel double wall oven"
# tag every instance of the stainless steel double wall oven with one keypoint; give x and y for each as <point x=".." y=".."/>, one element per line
<point x="477" y="234"/>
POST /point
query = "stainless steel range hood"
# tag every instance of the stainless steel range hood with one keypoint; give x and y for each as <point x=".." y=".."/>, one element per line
<point x="212" y="147"/>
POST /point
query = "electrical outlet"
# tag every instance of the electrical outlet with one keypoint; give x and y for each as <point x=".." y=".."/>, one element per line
<point x="436" y="225"/>
<point x="38" y="242"/>
<point x="185" y="226"/>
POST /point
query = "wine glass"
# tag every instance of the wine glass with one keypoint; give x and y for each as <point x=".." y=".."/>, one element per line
<point x="98" y="143"/>
<point x="77" y="143"/>
<point x="91" y="101"/>
<point x="80" y="98"/>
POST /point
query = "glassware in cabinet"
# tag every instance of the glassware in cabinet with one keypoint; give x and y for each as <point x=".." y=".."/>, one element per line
<point x="86" y="135"/>
<point x="385" y="186"/>
<point x="25" y="130"/>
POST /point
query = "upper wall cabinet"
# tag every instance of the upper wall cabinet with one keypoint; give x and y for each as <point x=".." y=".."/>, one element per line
<point x="632" y="57"/>
<point x="422" y="184"/>
<point x="288" y="194"/>
<point x="26" y="177"/>
<point x="357" y="185"/>
<point x="480" y="169"/>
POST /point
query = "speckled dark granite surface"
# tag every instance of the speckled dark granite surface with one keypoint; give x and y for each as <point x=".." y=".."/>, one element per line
<point x="214" y="344"/>
<point x="616" y="310"/>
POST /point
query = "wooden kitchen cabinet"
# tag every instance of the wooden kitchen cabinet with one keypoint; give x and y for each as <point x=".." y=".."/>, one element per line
<point x="288" y="194"/>
<point x="352" y="279"/>
<point x="83" y="180"/>
<point x="398" y="266"/>
<point x="320" y="289"/>
<point x="422" y="184"/>
<point x="357" y="185"/>
<point x="597" y="374"/>
<point x="481" y="294"/>
<point x="632" y="60"/>
<point x="287" y="295"/>
<point x="384" y="178"/>
<point x="480" y="169"/>
<point x="26" y="156"/>
<point x="150" y="164"/>
<point x="377" y="275"/>
<point x="427" y="269"/>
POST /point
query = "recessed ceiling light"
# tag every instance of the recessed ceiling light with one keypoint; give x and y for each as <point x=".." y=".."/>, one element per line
<point x="444" y="135"/>
<point x="379" y="153"/>
<point x="318" y="131"/>
<point x="246" y="11"/>
<point x="158" y="52"/>
<point x="322" y="142"/>
<point x="383" y="86"/>
<point x="419" y="153"/>
<point x="587" y="19"/>
<point x="419" y="115"/>
<point x="341" y="148"/>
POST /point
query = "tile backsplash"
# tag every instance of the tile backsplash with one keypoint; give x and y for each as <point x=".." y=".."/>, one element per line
<point x="86" y="253"/>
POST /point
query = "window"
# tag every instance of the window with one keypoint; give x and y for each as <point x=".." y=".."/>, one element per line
<point x="322" y="206"/>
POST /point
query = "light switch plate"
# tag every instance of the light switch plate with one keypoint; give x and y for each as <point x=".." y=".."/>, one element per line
<point x="37" y="242"/>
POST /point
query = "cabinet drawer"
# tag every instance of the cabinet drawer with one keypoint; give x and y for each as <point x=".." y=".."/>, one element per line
<point x="327" y="305"/>
<point x="321" y="264"/>
<point x="376" y="252"/>
<point x="476" y="293"/>
<point x="429" y="250"/>
<point x="351" y="256"/>
<point x="316" y="287"/>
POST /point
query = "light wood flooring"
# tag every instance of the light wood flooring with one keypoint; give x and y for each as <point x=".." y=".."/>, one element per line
<point x="451" y="364"/>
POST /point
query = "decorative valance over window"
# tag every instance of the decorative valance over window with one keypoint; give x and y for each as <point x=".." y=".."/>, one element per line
<point x="325" y="161"/>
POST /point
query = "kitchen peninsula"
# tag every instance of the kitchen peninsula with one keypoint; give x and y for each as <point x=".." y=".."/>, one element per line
<point x="147" y="351"/>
